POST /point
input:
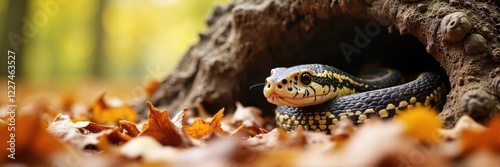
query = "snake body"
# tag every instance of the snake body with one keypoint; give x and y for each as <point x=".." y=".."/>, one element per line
<point x="316" y="97"/>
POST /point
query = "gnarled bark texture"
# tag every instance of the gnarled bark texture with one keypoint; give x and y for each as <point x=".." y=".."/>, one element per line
<point x="458" y="39"/>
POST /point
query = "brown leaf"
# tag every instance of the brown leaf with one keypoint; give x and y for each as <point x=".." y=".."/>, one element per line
<point x="63" y="128"/>
<point x="91" y="126"/>
<point x="200" y="128"/>
<point x="161" y="128"/>
<point x="130" y="127"/>
<point x="275" y="138"/>
<point x="249" y="117"/>
<point x="116" y="137"/>
<point x="110" y="115"/>
<point x="3" y="123"/>
<point x="85" y="134"/>
<point x="32" y="143"/>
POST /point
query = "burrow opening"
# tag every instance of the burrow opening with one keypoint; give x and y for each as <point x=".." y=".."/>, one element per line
<point x="347" y="43"/>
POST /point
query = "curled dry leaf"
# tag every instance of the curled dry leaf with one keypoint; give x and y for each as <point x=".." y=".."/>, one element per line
<point x="84" y="134"/>
<point x="91" y="126"/>
<point x="201" y="128"/>
<point x="130" y="127"/>
<point x="180" y="118"/>
<point x="63" y="128"/>
<point x="161" y="128"/>
<point x="116" y="137"/>
<point x="249" y="117"/>
<point x="102" y="113"/>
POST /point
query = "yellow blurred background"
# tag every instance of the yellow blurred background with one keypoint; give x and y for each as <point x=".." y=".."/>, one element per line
<point x="122" y="43"/>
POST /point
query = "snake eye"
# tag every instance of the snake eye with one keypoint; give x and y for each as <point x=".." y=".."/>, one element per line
<point x="305" y="78"/>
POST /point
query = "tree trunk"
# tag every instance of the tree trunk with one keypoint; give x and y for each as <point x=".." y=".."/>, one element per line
<point x="245" y="39"/>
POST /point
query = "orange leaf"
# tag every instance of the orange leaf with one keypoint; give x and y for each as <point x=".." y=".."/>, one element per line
<point x="3" y="123"/>
<point x="31" y="142"/>
<point x="488" y="138"/>
<point x="104" y="114"/>
<point x="421" y="123"/>
<point x="130" y="127"/>
<point x="116" y="137"/>
<point x="161" y="128"/>
<point x="201" y="128"/>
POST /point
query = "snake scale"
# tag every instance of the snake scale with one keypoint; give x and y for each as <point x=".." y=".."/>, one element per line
<point x="315" y="97"/>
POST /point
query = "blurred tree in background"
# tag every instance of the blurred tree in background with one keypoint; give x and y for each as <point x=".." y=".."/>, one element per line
<point x="67" y="42"/>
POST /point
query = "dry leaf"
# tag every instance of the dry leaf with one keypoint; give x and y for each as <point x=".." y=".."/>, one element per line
<point x="116" y="137"/>
<point x="110" y="115"/>
<point x="3" y="123"/>
<point x="276" y="138"/>
<point x="180" y="118"/>
<point x="130" y="127"/>
<point x="84" y="135"/>
<point x="63" y="128"/>
<point x="421" y="123"/>
<point x="91" y="126"/>
<point x="249" y="117"/>
<point x="201" y="128"/>
<point x="29" y="140"/>
<point x="161" y="128"/>
<point x="487" y="139"/>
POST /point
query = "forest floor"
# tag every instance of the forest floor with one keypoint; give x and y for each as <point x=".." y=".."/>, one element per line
<point x="108" y="132"/>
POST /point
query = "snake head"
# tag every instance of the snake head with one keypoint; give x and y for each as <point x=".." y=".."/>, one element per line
<point x="299" y="86"/>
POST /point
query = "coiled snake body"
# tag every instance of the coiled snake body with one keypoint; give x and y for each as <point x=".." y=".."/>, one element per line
<point x="316" y="97"/>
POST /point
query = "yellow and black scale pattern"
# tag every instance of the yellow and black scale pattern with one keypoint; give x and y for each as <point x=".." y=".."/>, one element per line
<point x="354" y="98"/>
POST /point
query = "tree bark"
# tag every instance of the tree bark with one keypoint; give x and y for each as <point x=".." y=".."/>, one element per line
<point x="245" y="39"/>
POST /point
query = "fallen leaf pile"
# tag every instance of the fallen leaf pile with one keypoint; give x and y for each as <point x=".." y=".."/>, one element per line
<point x="110" y="135"/>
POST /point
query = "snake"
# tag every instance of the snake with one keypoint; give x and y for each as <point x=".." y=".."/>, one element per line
<point x="316" y="97"/>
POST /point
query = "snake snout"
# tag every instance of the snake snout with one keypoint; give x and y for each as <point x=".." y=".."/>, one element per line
<point x="272" y="87"/>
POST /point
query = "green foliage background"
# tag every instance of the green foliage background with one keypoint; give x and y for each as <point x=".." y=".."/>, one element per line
<point x="119" y="41"/>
